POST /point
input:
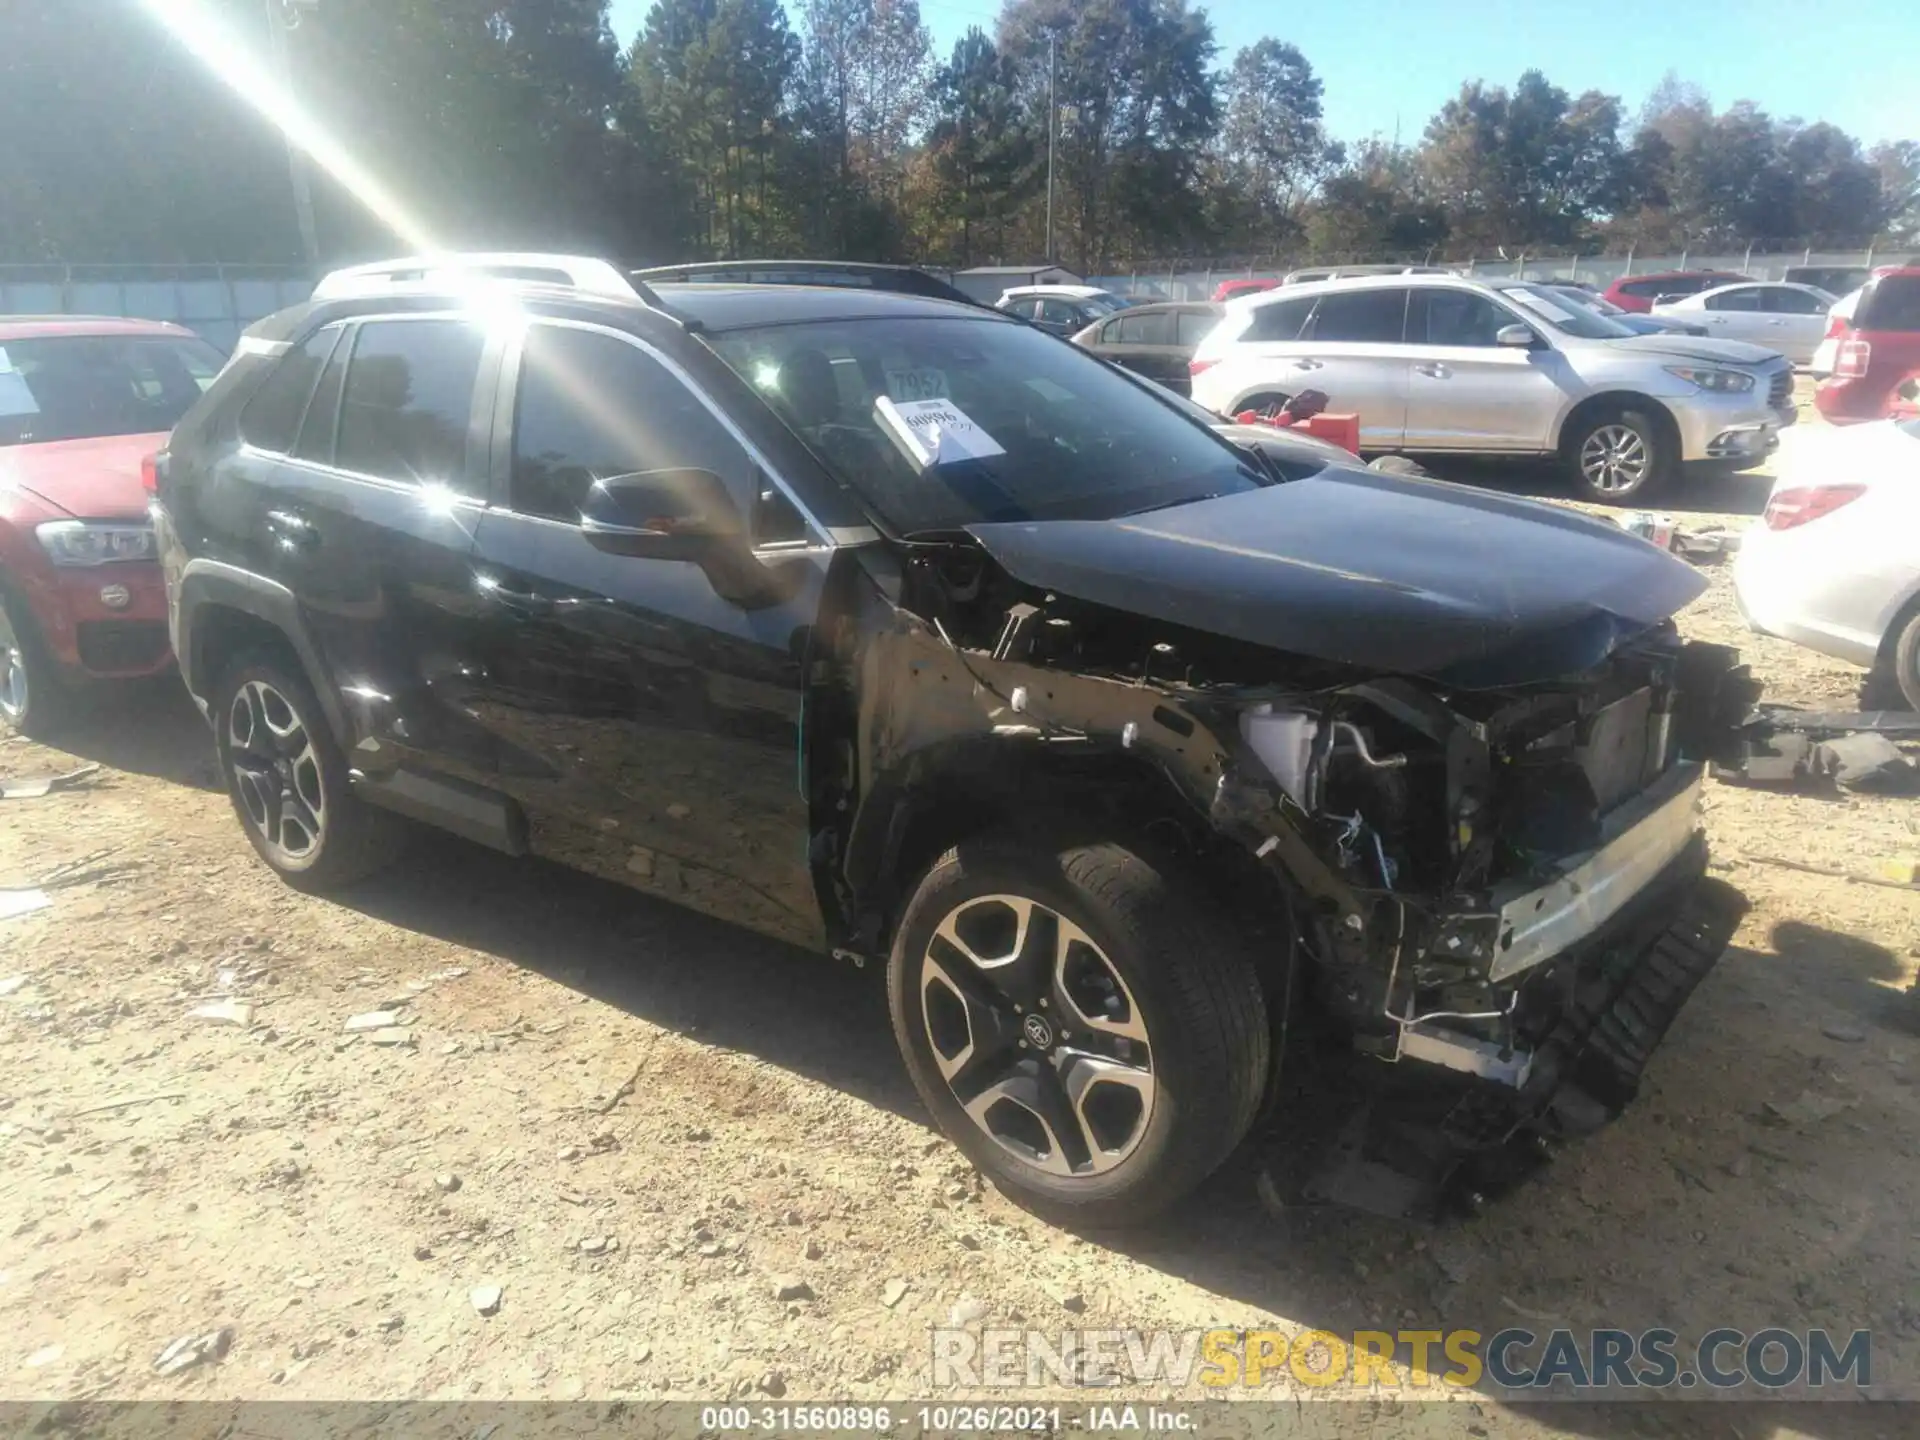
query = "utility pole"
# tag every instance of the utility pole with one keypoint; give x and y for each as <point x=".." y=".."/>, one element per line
<point x="1051" y="113"/>
<point x="281" y="19"/>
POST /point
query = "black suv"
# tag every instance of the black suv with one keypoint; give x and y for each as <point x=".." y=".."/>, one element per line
<point x="900" y="628"/>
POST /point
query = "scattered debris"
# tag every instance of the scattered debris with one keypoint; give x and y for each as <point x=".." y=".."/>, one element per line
<point x="894" y="1293"/>
<point x="391" y="1323"/>
<point x="486" y="1299"/>
<point x="447" y="1181"/>
<point x="813" y="1250"/>
<point x="45" y="1356"/>
<point x="774" y="1383"/>
<point x="41" y="785"/>
<point x="22" y="902"/>
<point x="595" y="1245"/>
<point x="392" y="1035"/>
<point x="1654" y="529"/>
<point x="423" y="1252"/>
<point x="791" y="1287"/>
<point x="1847" y="1034"/>
<point x="1806" y="1109"/>
<point x="191" y="1350"/>
<point x="13" y="984"/>
<point x="372" y="1020"/>
<point x="967" y="1310"/>
<point x="224" y="1012"/>
<point x="1900" y="869"/>
<point x="678" y="811"/>
<point x="1807" y="867"/>
<point x="1069" y="1300"/>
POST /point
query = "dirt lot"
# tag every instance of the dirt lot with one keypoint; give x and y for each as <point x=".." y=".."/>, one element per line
<point x="633" y="1121"/>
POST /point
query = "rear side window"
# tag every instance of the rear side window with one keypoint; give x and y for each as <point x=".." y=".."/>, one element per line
<point x="1152" y="329"/>
<point x="1282" y="321"/>
<point x="1195" y="326"/>
<point x="1648" y="289"/>
<point x="409" y="400"/>
<point x="590" y="407"/>
<point x="1746" y="298"/>
<point x="1363" y="317"/>
<point x="272" y="417"/>
<point x="1893" y="303"/>
<point x="1782" y="301"/>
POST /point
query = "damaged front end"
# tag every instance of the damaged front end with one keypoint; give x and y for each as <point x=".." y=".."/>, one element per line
<point x="1485" y="879"/>
<point x="1515" y="909"/>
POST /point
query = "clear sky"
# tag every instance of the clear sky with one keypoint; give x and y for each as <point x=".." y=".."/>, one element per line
<point x="1855" y="63"/>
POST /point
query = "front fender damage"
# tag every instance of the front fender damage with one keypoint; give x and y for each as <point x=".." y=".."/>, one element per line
<point x="1400" y="838"/>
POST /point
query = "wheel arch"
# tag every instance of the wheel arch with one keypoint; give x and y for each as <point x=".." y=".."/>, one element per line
<point x="952" y="791"/>
<point x="1613" y="402"/>
<point x="222" y="610"/>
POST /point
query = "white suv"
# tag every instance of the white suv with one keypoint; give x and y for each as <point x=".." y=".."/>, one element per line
<point x="1435" y="363"/>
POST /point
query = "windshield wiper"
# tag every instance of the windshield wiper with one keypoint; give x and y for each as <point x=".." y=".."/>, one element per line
<point x="1169" y="504"/>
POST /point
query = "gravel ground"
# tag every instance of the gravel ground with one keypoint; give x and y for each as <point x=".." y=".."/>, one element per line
<point x="674" y="1160"/>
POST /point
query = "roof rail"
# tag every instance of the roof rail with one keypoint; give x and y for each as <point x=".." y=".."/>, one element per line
<point x="575" y="272"/>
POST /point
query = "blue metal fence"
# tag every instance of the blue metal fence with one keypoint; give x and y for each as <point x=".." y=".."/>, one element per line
<point x="217" y="302"/>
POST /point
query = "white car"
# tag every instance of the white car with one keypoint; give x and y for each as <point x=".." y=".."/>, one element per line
<point x="1838" y="319"/>
<point x="1789" y="318"/>
<point x="1834" y="563"/>
<point x="1504" y="367"/>
<point x="1062" y="309"/>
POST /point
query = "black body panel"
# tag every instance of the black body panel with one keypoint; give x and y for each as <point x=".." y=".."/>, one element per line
<point x="1384" y="572"/>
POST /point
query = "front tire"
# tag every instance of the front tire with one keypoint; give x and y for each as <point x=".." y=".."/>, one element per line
<point x="288" y="780"/>
<point x="33" y="701"/>
<point x="1906" y="662"/>
<point x="1619" y="456"/>
<point x="1094" y="1040"/>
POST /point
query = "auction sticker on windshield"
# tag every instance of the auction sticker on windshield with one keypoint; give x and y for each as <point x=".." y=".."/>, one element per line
<point x="920" y="384"/>
<point x="934" y="432"/>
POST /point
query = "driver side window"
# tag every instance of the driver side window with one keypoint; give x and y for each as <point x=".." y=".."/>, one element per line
<point x="590" y="406"/>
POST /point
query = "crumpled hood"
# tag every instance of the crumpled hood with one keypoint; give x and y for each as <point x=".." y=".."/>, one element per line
<point x="1387" y="573"/>
<point x="1688" y="347"/>
<point x="96" y="479"/>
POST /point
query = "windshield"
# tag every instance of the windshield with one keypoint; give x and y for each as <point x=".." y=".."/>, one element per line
<point x="943" y="423"/>
<point x="79" y="387"/>
<point x="1104" y="304"/>
<point x="1564" y="314"/>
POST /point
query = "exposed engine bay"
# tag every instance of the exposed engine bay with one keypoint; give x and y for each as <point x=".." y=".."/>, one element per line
<point x="1471" y="883"/>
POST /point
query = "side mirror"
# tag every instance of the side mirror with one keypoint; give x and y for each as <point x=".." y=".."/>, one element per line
<point x="684" y="515"/>
<point x="661" y="514"/>
<point x="1519" y="336"/>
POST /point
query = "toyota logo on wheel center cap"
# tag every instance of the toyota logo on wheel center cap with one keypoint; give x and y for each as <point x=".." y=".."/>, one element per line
<point x="1039" y="1033"/>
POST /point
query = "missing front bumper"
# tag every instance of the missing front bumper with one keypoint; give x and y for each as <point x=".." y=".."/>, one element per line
<point x="1640" y="840"/>
<point x="1421" y="1140"/>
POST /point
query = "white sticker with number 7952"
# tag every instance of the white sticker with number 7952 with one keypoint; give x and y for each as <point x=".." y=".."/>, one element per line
<point x="917" y="384"/>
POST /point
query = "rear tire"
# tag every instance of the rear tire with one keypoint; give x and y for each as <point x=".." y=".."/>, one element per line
<point x="1619" y="456"/>
<point x="33" y="700"/>
<point x="288" y="780"/>
<point x="1136" y="1060"/>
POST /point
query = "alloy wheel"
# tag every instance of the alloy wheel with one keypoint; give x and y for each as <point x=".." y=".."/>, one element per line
<point x="13" y="671"/>
<point x="1615" y="459"/>
<point x="276" y="772"/>
<point x="1037" y="1035"/>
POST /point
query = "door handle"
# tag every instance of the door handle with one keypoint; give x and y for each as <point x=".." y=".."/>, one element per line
<point x="1308" y="365"/>
<point x="293" y="531"/>
<point x="1436" y="370"/>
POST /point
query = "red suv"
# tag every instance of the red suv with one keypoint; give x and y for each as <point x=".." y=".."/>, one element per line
<point x="1879" y="348"/>
<point x="83" y="403"/>
<point x="1638" y="292"/>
